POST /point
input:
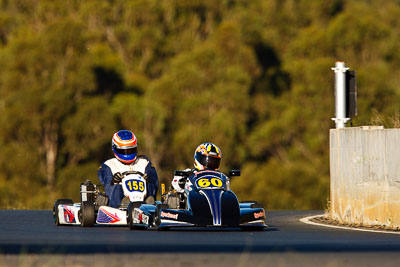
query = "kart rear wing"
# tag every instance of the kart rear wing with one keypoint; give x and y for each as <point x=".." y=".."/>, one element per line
<point x="185" y="173"/>
<point x="234" y="173"/>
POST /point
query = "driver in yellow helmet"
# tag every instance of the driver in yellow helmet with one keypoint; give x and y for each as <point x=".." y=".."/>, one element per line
<point x="207" y="156"/>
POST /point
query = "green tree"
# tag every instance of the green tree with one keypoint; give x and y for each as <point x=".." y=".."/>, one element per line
<point x="38" y="93"/>
<point x="253" y="77"/>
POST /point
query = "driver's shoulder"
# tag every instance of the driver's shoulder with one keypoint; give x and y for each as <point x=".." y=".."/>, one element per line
<point x="208" y="173"/>
<point x="143" y="158"/>
<point x="142" y="161"/>
<point x="113" y="163"/>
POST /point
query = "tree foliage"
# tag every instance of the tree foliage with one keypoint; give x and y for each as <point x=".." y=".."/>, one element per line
<point x="253" y="77"/>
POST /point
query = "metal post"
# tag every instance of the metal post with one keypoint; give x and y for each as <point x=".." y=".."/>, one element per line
<point x="340" y="94"/>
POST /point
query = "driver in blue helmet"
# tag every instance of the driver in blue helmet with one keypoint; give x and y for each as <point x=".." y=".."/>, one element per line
<point x="124" y="146"/>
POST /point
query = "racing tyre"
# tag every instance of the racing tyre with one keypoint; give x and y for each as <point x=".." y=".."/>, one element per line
<point x="254" y="205"/>
<point x="129" y="214"/>
<point x="157" y="220"/>
<point x="87" y="214"/>
<point x="253" y="228"/>
<point x="55" y="208"/>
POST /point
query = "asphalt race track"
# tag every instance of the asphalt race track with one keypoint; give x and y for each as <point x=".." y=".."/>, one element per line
<point x="30" y="238"/>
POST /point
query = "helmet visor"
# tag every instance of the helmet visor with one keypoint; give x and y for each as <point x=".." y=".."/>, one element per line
<point x="126" y="151"/>
<point x="209" y="162"/>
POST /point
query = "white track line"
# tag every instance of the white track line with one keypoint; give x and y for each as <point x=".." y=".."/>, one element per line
<point x="307" y="221"/>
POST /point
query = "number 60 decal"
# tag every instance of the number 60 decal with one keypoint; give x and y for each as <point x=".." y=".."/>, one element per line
<point x="209" y="182"/>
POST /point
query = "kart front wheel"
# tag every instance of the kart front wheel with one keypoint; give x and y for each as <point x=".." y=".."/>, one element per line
<point x="157" y="215"/>
<point x="129" y="213"/>
<point x="253" y="228"/>
<point x="55" y="208"/>
<point x="87" y="214"/>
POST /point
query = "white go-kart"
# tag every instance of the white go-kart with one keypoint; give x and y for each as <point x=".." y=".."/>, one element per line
<point x="93" y="207"/>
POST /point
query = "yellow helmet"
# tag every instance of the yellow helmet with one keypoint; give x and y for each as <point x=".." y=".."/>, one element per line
<point x="207" y="156"/>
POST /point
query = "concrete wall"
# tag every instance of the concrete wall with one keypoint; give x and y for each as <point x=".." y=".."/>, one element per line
<point x="365" y="176"/>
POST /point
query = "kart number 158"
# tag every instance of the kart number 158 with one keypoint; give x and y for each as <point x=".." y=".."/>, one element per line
<point x="134" y="185"/>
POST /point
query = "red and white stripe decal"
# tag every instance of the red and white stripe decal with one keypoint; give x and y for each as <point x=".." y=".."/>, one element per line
<point x="132" y="142"/>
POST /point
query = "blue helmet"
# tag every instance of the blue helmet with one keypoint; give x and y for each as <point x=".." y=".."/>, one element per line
<point x="124" y="146"/>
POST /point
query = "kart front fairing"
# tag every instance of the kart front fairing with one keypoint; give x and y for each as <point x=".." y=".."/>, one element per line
<point x="210" y="203"/>
<point x="69" y="215"/>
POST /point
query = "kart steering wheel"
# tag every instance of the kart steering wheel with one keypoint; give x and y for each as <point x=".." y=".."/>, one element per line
<point x="135" y="172"/>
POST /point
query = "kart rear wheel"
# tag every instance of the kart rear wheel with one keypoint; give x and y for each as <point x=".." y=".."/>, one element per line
<point x="129" y="214"/>
<point x="254" y="205"/>
<point x="87" y="214"/>
<point x="253" y="228"/>
<point x="157" y="220"/>
<point x="58" y="202"/>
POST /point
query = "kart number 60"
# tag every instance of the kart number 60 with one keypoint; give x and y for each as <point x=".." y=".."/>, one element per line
<point x="207" y="182"/>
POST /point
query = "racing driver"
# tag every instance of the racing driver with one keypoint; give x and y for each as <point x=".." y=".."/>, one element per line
<point x="124" y="146"/>
<point x="207" y="156"/>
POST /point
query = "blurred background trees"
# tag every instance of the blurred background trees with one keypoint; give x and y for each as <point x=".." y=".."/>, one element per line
<point x="253" y="77"/>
